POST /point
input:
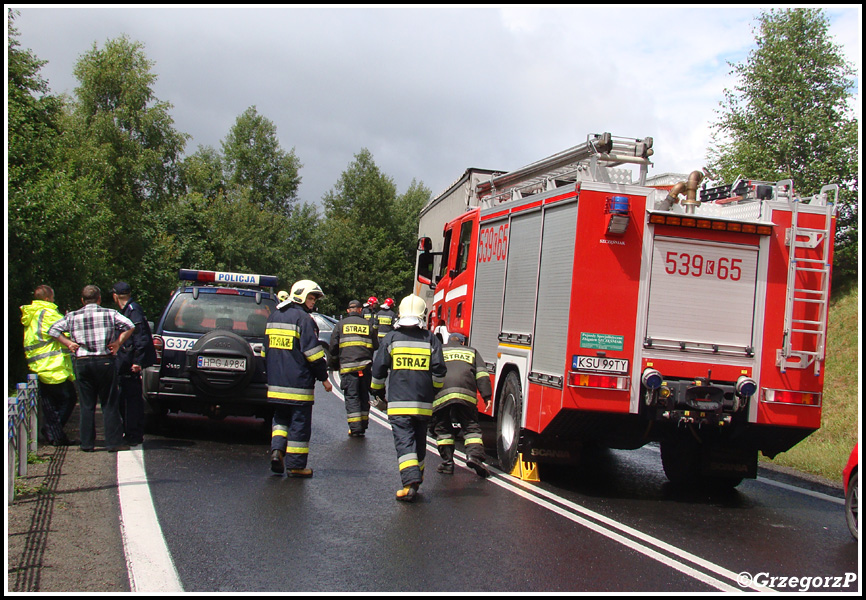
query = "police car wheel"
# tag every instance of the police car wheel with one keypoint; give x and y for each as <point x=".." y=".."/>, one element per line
<point x="220" y="363"/>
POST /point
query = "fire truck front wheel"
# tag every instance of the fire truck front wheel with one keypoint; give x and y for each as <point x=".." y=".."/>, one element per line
<point x="508" y="423"/>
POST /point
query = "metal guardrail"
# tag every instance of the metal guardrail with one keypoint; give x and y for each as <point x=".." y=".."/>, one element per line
<point x="22" y="412"/>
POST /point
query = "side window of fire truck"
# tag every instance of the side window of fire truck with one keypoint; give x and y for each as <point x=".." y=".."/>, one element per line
<point x="463" y="246"/>
<point x="443" y="263"/>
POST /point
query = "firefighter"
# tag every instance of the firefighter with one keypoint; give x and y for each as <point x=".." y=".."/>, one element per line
<point x="353" y="343"/>
<point x="456" y="404"/>
<point x="410" y="357"/>
<point x="371" y="308"/>
<point x="295" y="360"/>
<point x="386" y="317"/>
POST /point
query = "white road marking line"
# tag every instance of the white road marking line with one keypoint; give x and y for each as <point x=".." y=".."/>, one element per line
<point x="804" y="491"/>
<point x="607" y="527"/>
<point x="148" y="560"/>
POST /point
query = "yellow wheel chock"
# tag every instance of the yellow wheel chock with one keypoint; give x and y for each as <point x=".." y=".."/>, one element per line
<point x="525" y="470"/>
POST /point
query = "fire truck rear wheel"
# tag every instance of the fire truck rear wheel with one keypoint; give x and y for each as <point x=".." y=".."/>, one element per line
<point x="508" y="423"/>
<point x="681" y="459"/>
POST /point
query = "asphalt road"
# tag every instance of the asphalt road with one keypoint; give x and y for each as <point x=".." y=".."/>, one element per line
<point x="613" y="525"/>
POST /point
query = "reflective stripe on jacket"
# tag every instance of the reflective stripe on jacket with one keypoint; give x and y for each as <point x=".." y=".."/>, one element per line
<point x="385" y="320"/>
<point x="45" y="356"/>
<point x="353" y="343"/>
<point x="411" y="359"/>
<point x="467" y="376"/>
<point x="294" y="357"/>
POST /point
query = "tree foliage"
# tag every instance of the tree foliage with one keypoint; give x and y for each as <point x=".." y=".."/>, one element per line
<point x="254" y="161"/>
<point x="99" y="192"/>
<point x="370" y="235"/>
<point x="790" y="117"/>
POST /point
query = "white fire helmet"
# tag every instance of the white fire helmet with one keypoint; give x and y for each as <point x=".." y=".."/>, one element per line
<point x="303" y="288"/>
<point x="412" y="311"/>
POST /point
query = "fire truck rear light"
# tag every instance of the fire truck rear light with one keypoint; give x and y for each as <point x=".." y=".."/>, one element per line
<point x="709" y="224"/>
<point x="591" y="380"/>
<point x="791" y="397"/>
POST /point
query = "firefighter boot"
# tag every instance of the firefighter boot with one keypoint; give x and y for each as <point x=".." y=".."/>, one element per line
<point x="476" y="463"/>
<point x="408" y="493"/>
<point x="305" y="473"/>
<point x="446" y="451"/>
<point x="278" y="464"/>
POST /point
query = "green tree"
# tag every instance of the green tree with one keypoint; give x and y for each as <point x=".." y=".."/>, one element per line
<point x="254" y="161"/>
<point x="202" y="172"/>
<point x="369" y="233"/>
<point x="55" y="222"/>
<point x="123" y="138"/>
<point x="790" y="117"/>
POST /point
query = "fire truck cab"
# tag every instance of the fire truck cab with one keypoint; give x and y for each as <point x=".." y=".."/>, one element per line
<point x="615" y="313"/>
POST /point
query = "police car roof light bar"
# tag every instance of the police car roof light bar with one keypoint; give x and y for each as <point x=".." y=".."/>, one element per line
<point x="237" y="279"/>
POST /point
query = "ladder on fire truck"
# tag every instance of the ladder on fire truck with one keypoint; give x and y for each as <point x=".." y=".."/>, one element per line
<point x="808" y="280"/>
<point x="593" y="160"/>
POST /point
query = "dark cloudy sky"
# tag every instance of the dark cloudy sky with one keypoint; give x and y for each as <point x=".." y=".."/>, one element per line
<point x="430" y="90"/>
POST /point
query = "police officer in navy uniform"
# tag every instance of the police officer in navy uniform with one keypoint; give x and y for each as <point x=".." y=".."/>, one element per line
<point x="353" y="343"/>
<point x="456" y="403"/>
<point x="295" y="361"/>
<point x="410" y="358"/>
<point x="133" y="357"/>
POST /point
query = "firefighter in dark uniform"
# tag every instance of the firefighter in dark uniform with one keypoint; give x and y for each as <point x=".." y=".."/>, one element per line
<point x="410" y="358"/>
<point x="353" y="343"/>
<point x="456" y="404"/>
<point x="295" y="360"/>
<point x="370" y="308"/>
<point x="386" y="318"/>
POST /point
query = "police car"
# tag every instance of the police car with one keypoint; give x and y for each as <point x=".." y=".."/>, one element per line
<point x="210" y="346"/>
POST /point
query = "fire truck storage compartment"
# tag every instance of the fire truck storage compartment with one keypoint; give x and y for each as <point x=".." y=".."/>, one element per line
<point x="489" y="275"/>
<point x="554" y="289"/>
<point x="521" y="276"/>
<point x="702" y="296"/>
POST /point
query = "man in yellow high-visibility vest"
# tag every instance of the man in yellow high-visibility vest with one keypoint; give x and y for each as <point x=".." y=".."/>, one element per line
<point x="52" y="363"/>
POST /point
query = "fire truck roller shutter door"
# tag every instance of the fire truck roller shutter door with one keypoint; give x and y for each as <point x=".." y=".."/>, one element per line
<point x="554" y="289"/>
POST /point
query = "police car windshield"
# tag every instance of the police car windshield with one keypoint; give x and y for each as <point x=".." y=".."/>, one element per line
<point x="237" y="313"/>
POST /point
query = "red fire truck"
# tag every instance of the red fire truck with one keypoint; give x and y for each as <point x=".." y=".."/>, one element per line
<point x="619" y="314"/>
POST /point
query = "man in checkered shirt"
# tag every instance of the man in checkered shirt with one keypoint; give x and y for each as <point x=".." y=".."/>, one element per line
<point x="96" y="333"/>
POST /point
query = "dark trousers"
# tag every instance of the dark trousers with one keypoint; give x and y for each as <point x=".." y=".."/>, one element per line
<point x="410" y="440"/>
<point x="466" y="417"/>
<point x="96" y="378"/>
<point x="356" y="391"/>
<point x="132" y="407"/>
<point x="290" y="432"/>
<point x="57" y="404"/>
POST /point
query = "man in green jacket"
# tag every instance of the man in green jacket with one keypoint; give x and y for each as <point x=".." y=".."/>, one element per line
<point x="51" y="362"/>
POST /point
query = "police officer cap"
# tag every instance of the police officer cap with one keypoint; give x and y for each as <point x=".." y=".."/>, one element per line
<point x="121" y="288"/>
<point x="355" y="304"/>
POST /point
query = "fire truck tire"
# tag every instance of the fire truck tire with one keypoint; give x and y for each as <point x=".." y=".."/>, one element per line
<point x="508" y="423"/>
<point x="681" y="460"/>
<point x="852" y="506"/>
